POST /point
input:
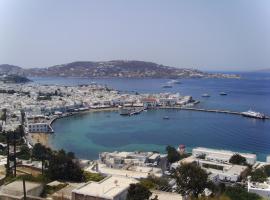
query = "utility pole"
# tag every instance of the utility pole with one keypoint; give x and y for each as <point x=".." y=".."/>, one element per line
<point x="8" y="157"/>
<point x="15" y="163"/>
<point x="24" y="190"/>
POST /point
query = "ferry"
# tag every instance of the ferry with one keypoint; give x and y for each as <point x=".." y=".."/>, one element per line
<point x="166" y="117"/>
<point x="205" y="95"/>
<point x="253" y="114"/>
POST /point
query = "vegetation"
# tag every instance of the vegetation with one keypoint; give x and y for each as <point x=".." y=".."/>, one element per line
<point x="24" y="153"/>
<point x="138" y="192"/>
<point x="259" y="175"/>
<point x="64" y="167"/>
<point x="88" y="176"/>
<point x="52" y="189"/>
<point x="238" y="160"/>
<point x="267" y="170"/>
<point x="239" y="193"/>
<point x="152" y="182"/>
<point x="40" y="152"/>
<point x="190" y="178"/>
<point x="173" y="155"/>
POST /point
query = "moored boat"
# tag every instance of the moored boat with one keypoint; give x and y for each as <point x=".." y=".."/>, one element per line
<point x="205" y="95"/>
<point x="167" y="86"/>
<point x="253" y="114"/>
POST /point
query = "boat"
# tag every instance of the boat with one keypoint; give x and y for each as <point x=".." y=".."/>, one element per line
<point x="205" y="95"/>
<point x="167" y="86"/>
<point x="223" y="93"/>
<point x="253" y="114"/>
<point x="130" y="111"/>
<point x="166" y="117"/>
<point x="126" y="111"/>
<point x="174" y="82"/>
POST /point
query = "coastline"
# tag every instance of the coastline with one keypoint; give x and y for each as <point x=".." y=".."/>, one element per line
<point x="43" y="138"/>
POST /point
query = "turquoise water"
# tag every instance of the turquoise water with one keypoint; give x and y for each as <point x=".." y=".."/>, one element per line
<point x="91" y="133"/>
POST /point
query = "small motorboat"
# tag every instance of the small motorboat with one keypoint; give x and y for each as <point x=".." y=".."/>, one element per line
<point x="205" y="95"/>
<point x="166" y="117"/>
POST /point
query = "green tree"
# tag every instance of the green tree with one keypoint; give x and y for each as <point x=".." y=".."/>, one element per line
<point x="267" y="170"/>
<point x="63" y="167"/>
<point x="238" y="160"/>
<point x="40" y="152"/>
<point x="190" y="178"/>
<point x="239" y="193"/>
<point x="4" y="115"/>
<point x="172" y="154"/>
<point x="258" y="175"/>
<point x="24" y="153"/>
<point x="138" y="192"/>
<point x="152" y="182"/>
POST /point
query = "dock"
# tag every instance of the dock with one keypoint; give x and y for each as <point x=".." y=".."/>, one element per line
<point x="216" y="111"/>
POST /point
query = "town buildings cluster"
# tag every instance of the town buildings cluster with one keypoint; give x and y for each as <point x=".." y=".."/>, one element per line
<point x="35" y="107"/>
<point x="41" y="104"/>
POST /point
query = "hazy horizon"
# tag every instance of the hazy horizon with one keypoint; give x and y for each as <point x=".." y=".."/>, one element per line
<point x="209" y="35"/>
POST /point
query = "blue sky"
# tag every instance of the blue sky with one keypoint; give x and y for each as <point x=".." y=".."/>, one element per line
<point x="203" y="34"/>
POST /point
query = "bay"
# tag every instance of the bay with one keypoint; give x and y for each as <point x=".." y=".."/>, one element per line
<point x="91" y="133"/>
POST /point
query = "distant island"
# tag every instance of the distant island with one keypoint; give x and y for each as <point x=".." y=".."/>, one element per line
<point x="115" y="68"/>
<point x="12" y="78"/>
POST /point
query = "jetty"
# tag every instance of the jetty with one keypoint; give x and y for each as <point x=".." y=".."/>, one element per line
<point x="216" y="111"/>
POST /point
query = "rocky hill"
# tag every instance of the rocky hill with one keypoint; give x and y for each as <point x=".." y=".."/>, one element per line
<point x="116" y="68"/>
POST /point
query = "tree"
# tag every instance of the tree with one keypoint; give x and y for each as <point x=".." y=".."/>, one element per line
<point x="190" y="178"/>
<point x="239" y="193"/>
<point x="40" y="152"/>
<point x="172" y="154"/>
<point x="258" y="175"/>
<point x="238" y="160"/>
<point x="4" y="115"/>
<point x="24" y="153"/>
<point x="63" y="167"/>
<point x="267" y="170"/>
<point x="138" y="192"/>
<point x="152" y="182"/>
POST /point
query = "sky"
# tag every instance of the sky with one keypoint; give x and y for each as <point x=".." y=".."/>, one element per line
<point x="215" y="35"/>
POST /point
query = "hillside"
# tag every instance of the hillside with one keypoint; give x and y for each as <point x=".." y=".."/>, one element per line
<point x="116" y="68"/>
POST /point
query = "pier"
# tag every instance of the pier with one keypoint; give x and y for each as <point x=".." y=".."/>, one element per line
<point x="216" y="111"/>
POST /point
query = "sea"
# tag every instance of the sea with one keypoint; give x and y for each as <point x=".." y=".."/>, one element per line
<point x="90" y="133"/>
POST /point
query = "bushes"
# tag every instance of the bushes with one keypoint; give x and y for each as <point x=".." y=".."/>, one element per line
<point x="238" y="160"/>
<point x="239" y="193"/>
<point x="88" y="176"/>
<point x="259" y="175"/>
<point x="63" y="167"/>
<point x="138" y="192"/>
<point x="152" y="182"/>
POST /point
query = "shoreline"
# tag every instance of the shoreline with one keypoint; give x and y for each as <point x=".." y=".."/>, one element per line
<point x="43" y="138"/>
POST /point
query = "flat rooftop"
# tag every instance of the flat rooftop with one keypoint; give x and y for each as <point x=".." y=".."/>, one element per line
<point x="16" y="187"/>
<point x="166" y="195"/>
<point x="107" y="188"/>
<point x="224" y="152"/>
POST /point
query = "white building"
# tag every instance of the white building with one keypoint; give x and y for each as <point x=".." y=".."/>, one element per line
<point x="268" y="159"/>
<point x="39" y="128"/>
<point x="262" y="189"/>
<point x="110" y="188"/>
<point x="221" y="156"/>
<point x="222" y="172"/>
<point x="149" y="102"/>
